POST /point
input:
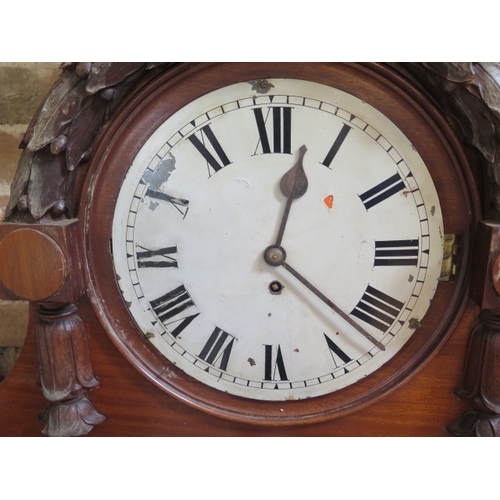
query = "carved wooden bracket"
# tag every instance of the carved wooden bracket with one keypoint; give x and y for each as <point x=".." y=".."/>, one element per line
<point x="481" y="382"/>
<point x="65" y="371"/>
<point x="480" y="385"/>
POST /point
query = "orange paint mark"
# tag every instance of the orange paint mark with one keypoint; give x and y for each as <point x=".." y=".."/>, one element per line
<point x="329" y="201"/>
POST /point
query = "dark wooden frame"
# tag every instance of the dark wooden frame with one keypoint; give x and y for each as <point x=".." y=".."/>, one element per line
<point x="169" y="91"/>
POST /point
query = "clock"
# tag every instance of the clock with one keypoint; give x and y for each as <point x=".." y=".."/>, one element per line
<point x="269" y="243"/>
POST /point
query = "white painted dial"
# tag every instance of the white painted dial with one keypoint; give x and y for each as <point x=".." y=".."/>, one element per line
<point x="202" y="202"/>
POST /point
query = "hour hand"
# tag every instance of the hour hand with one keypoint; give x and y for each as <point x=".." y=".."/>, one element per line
<point x="293" y="185"/>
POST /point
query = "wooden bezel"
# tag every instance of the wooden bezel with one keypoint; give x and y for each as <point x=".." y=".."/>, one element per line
<point x="176" y="87"/>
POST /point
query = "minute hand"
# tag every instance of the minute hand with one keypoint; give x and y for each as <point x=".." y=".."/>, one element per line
<point x="331" y="305"/>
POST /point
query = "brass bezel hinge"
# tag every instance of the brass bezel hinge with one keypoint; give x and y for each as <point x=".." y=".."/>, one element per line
<point x="451" y="245"/>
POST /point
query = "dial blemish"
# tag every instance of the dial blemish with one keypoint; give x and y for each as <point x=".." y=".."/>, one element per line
<point x="328" y="201"/>
<point x="161" y="173"/>
<point x="251" y="361"/>
<point x="261" y="86"/>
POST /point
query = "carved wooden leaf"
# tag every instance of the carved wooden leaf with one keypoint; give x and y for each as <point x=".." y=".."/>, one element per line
<point x="480" y="126"/>
<point x="106" y="74"/>
<point x="20" y="182"/>
<point x="59" y="109"/>
<point x="472" y="372"/>
<point x="83" y="129"/>
<point x="490" y="384"/>
<point x="489" y="74"/>
<point x="83" y="367"/>
<point x="47" y="182"/>
<point x="454" y="72"/>
<point x="55" y="359"/>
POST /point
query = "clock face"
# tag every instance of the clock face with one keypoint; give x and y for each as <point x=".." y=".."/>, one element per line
<point x="277" y="239"/>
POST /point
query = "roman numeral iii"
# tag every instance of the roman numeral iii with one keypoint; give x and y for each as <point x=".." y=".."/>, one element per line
<point x="396" y="253"/>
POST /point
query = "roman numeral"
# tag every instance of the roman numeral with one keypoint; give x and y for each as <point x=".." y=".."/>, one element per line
<point x="216" y="163"/>
<point x="274" y="365"/>
<point x="218" y="348"/>
<point x="185" y="322"/>
<point x="336" y="351"/>
<point x="382" y="191"/>
<point x="336" y="145"/>
<point x="180" y="204"/>
<point x="377" y="308"/>
<point x="396" y="253"/>
<point x="156" y="258"/>
<point x="171" y="304"/>
<point x="281" y="129"/>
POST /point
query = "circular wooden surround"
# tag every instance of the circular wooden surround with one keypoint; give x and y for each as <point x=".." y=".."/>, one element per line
<point x="176" y="87"/>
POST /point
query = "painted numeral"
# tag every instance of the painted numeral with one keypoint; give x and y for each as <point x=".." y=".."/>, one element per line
<point x="184" y="323"/>
<point x="218" y="349"/>
<point x="336" y="351"/>
<point x="281" y="129"/>
<point x="382" y="191"/>
<point x="274" y="365"/>
<point x="336" y="145"/>
<point x="156" y="258"/>
<point x="180" y="204"/>
<point x="377" y="308"/>
<point x="396" y="253"/>
<point x="216" y="163"/>
<point x="171" y="304"/>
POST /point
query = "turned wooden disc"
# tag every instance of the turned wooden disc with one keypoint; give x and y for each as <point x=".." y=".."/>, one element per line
<point x="32" y="265"/>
